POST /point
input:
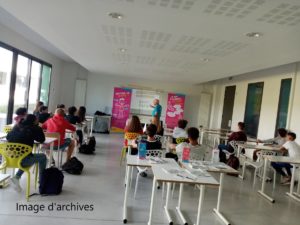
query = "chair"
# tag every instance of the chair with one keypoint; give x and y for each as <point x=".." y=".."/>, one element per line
<point x="129" y="137"/>
<point x="257" y="165"/>
<point x="180" y="140"/>
<point x="59" y="154"/>
<point x="157" y="153"/>
<point x="14" y="153"/>
<point x="7" y="128"/>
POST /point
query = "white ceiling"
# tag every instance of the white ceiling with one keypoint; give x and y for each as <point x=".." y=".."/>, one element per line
<point x="167" y="39"/>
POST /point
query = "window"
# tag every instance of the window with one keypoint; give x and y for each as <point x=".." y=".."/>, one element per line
<point x="283" y="104"/>
<point x="24" y="79"/>
<point x="253" y="105"/>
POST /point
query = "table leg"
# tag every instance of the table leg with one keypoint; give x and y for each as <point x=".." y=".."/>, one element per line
<point x="51" y="153"/>
<point x="178" y="208"/>
<point x="167" y="203"/>
<point x="152" y="201"/>
<point x="291" y="194"/>
<point x="217" y="210"/>
<point x="129" y="168"/>
<point x="263" y="185"/>
<point x="201" y="197"/>
<point x="92" y="126"/>
<point x="201" y="138"/>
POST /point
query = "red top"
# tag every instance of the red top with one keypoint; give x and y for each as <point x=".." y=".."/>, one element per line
<point x="59" y="125"/>
<point x="238" y="136"/>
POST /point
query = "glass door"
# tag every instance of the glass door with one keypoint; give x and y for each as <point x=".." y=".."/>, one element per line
<point x="22" y="82"/>
<point x="6" y="57"/>
<point x="34" y="84"/>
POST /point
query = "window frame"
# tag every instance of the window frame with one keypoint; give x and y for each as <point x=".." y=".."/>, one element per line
<point x="13" y="77"/>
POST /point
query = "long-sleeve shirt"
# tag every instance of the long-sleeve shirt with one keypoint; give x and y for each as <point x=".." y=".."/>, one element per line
<point x="58" y="124"/>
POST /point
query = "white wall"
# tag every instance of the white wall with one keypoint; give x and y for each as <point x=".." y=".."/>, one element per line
<point x="16" y="40"/>
<point x="268" y="115"/>
<point x="100" y="93"/>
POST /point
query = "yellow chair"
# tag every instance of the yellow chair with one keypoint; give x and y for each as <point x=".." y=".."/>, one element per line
<point x="14" y="153"/>
<point x="7" y="128"/>
<point x="181" y="140"/>
<point x="129" y="137"/>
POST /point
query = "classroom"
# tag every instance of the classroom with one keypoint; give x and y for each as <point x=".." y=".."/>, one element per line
<point x="150" y="112"/>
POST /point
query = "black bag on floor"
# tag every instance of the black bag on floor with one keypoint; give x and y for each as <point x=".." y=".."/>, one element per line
<point x="73" y="166"/>
<point x="233" y="162"/>
<point x="89" y="147"/>
<point x="51" y="181"/>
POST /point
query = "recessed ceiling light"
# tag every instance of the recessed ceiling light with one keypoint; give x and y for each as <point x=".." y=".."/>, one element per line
<point x="254" y="34"/>
<point x="116" y="15"/>
<point x="122" y="49"/>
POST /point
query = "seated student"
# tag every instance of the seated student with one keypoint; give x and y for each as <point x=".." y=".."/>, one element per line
<point x="133" y="125"/>
<point x="59" y="124"/>
<point x="179" y="131"/>
<point x="21" y="114"/>
<point x="61" y="106"/>
<point x="26" y="132"/>
<point x="239" y="135"/>
<point x="73" y="119"/>
<point x="43" y="114"/>
<point x="197" y="153"/>
<point x="280" y="139"/>
<point x="36" y="110"/>
<point x="292" y="149"/>
<point x="81" y="114"/>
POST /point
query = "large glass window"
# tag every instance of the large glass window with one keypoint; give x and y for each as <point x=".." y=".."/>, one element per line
<point x="253" y="105"/>
<point x="6" y="58"/>
<point x="283" y="105"/>
<point x="24" y="79"/>
<point x="46" y="78"/>
<point x="34" y="85"/>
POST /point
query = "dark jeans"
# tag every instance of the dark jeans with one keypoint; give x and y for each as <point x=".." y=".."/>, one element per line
<point x="279" y="166"/>
<point x="172" y="156"/>
<point x="31" y="159"/>
<point x="222" y="155"/>
<point x="80" y="136"/>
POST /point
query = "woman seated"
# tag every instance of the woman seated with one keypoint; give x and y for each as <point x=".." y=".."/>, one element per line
<point x="239" y="135"/>
<point x="73" y="119"/>
<point x="26" y="132"/>
<point x="133" y="130"/>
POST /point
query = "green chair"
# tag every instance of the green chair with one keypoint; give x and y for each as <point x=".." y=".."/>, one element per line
<point x="13" y="154"/>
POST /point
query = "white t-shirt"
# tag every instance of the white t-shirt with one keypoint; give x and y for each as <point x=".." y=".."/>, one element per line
<point x="278" y="140"/>
<point x="293" y="148"/>
<point x="179" y="133"/>
<point x="197" y="152"/>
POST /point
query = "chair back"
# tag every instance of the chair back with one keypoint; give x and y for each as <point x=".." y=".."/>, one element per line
<point x="154" y="153"/>
<point x="180" y="140"/>
<point x="158" y="138"/>
<point x="263" y="153"/>
<point x="14" y="153"/>
<point x="234" y="145"/>
<point x="7" y="129"/>
<point x="130" y="137"/>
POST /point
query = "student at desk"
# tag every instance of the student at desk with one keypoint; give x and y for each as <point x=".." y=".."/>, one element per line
<point x="179" y="131"/>
<point x="292" y="149"/>
<point x="26" y="132"/>
<point x="73" y="119"/>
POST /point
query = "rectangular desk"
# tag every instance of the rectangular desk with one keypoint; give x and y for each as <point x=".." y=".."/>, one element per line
<point x="160" y="175"/>
<point x="212" y="167"/>
<point x="134" y="161"/>
<point x="282" y="159"/>
<point x="275" y="148"/>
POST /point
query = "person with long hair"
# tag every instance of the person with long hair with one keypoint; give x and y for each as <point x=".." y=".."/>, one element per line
<point x="134" y="125"/>
<point x="26" y="132"/>
<point x="81" y="113"/>
<point x="36" y="110"/>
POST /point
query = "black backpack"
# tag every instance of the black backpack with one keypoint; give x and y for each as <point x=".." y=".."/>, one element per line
<point x="51" y="181"/>
<point x="89" y="147"/>
<point x="73" y="166"/>
<point x="233" y="162"/>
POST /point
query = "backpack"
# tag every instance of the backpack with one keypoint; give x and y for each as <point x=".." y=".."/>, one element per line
<point x="233" y="162"/>
<point x="89" y="147"/>
<point x="73" y="166"/>
<point x="51" y="181"/>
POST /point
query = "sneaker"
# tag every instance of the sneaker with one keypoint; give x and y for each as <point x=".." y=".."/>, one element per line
<point x="16" y="182"/>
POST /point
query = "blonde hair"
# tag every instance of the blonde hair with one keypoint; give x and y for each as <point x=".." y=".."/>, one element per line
<point x="60" y="111"/>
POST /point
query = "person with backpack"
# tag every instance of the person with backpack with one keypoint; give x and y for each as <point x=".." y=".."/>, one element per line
<point x="74" y="119"/>
<point x="26" y="132"/>
<point x="58" y="124"/>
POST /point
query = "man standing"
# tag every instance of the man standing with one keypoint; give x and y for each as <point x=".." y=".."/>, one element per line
<point x="156" y="113"/>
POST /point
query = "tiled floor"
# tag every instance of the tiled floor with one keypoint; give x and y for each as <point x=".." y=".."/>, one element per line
<point x="102" y="185"/>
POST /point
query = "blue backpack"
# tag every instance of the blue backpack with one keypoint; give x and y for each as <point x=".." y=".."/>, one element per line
<point x="51" y="181"/>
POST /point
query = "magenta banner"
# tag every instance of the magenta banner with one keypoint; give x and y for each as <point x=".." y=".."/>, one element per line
<point x="175" y="109"/>
<point x="120" y="108"/>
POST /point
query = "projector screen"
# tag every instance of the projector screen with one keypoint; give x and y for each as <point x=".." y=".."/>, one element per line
<point x="141" y="101"/>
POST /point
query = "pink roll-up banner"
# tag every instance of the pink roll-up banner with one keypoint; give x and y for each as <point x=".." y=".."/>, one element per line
<point x="175" y="109"/>
<point x="120" y="108"/>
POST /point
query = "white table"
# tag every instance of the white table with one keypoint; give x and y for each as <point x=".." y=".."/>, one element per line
<point x="134" y="161"/>
<point x="275" y="148"/>
<point x="282" y="159"/>
<point x="212" y="167"/>
<point x="2" y="135"/>
<point x="3" y="178"/>
<point x="90" y="120"/>
<point x="161" y="175"/>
